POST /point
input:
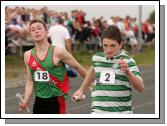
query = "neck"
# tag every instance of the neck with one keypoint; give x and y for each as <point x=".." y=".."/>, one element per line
<point x="41" y="45"/>
<point x="118" y="53"/>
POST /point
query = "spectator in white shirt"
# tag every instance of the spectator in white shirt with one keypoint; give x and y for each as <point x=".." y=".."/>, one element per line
<point x="60" y="36"/>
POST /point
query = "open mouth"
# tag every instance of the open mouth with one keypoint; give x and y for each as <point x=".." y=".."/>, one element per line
<point x="37" y="36"/>
<point x="109" y="53"/>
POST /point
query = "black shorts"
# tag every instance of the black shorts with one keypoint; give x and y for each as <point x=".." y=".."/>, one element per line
<point x="53" y="105"/>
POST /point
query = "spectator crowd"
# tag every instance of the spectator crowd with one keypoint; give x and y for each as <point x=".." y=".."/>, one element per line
<point x="85" y="34"/>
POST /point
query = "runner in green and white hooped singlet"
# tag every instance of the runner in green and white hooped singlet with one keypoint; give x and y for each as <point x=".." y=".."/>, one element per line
<point x="113" y="74"/>
<point x="112" y="97"/>
<point x="48" y="89"/>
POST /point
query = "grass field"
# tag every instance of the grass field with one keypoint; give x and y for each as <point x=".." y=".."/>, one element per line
<point x="147" y="57"/>
<point x="15" y="65"/>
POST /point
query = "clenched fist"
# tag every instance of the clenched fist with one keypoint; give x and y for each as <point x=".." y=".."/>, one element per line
<point x="124" y="66"/>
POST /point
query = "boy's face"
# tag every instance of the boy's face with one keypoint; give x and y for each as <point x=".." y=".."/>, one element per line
<point x="111" y="47"/>
<point x="38" y="32"/>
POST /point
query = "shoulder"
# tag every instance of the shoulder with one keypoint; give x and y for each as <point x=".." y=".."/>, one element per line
<point x="64" y="28"/>
<point x="27" y="56"/>
<point x="27" y="53"/>
<point x="101" y="54"/>
<point x="52" y="28"/>
<point x="98" y="55"/>
<point x="59" y="52"/>
<point x="130" y="60"/>
<point x="124" y="56"/>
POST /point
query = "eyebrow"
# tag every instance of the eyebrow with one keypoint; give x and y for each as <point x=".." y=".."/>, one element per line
<point x="35" y="27"/>
<point x="110" y="45"/>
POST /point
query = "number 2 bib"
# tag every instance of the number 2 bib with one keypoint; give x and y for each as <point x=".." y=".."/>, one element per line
<point x="41" y="76"/>
<point x="107" y="77"/>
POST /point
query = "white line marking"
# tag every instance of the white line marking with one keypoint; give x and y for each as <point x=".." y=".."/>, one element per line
<point x="141" y="105"/>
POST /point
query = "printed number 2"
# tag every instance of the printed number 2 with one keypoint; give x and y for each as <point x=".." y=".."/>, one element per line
<point x="107" y="77"/>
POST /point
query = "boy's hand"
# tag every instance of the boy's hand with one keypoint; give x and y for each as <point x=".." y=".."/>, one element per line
<point x="124" y="66"/>
<point x="22" y="106"/>
<point x="79" y="94"/>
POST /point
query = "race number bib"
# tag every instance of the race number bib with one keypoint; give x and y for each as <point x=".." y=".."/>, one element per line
<point x="107" y="77"/>
<point x="41" y="76"/>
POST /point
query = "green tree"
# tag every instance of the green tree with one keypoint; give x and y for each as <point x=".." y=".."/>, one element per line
<point x="151" y="18"/>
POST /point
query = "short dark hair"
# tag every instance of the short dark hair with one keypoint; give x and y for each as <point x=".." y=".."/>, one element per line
<point x="112" y="32"/>
<point x="38" y="21"/>
<point x="60" y="20"/>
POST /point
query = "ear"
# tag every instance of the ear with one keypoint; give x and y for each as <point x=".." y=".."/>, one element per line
<point x="121" y="45"/>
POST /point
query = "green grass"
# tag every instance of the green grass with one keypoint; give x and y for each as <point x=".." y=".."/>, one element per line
<point x="84" y="58"/>
<point x="13" y="61"/>
<point x="14" y="66"/>
<point x="145" y="58"/>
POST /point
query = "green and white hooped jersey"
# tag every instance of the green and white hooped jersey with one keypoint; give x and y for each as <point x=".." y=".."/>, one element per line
<point x="112" y="92"/>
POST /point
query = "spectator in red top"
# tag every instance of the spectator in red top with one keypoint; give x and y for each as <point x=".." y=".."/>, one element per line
<point x="145" y="31"/>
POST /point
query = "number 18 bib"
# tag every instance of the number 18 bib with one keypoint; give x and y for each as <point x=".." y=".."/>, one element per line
<point x="41" y="76"/>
